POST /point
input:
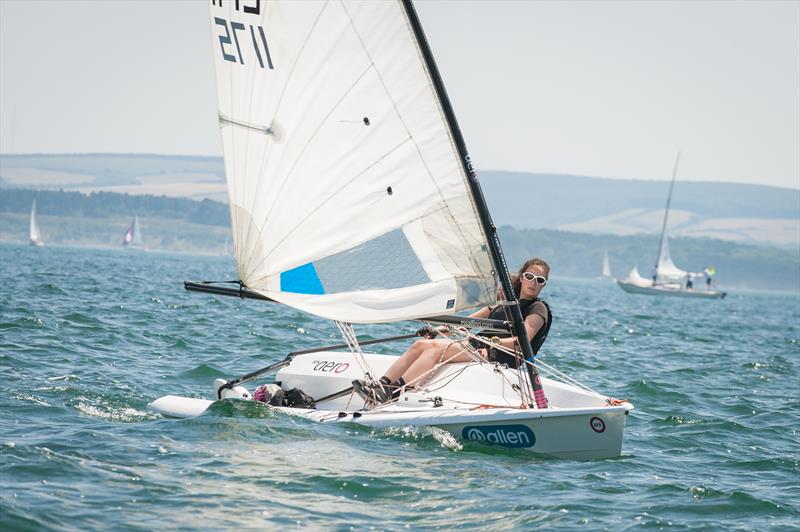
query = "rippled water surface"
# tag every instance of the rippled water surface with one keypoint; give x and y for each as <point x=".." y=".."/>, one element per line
<point x="89" y="337"/>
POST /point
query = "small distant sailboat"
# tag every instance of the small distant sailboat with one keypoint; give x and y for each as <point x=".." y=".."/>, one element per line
<point x="667" y="278"/>
<point x="35" y="236"/>
<point x="606" y="265"/>
<point x="133" y="237"/>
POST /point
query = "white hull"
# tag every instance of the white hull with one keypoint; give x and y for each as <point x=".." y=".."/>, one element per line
<point x="476" y="402"/>
<point x="670" y="290"/>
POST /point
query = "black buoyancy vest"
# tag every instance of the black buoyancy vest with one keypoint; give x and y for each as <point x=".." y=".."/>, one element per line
<point x="525" y="306"/>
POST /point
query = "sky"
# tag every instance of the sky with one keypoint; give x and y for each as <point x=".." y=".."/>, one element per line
<point x="598" y="88"/>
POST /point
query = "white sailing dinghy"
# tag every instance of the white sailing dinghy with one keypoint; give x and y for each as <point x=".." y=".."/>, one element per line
<point x="34" y="234"/>
<point x="668" y="280"/>
<point x="353" y="198"/>
<point x="133" y="236"/>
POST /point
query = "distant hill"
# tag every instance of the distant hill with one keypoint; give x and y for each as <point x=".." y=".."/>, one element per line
<point x="751" y="214"/>
<point x="160" y="175"/>
<point x="109" y="204"/>
<point x="179" y="224"/>
<point x="746" y="213"/>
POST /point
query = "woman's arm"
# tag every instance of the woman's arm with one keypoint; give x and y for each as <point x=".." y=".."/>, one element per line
<point x="533" y="323"/>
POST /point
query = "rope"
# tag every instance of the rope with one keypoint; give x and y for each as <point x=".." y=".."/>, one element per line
<point x="350" y="338"/>
<point x="563" y="377"/>
<point x="469" y="349"/>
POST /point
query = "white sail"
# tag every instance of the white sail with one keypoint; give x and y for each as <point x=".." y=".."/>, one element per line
<point x="666" y="271"/>
<point x="133" y="236"/>
<point x="606" y="265"/>
<point x="34" y="235"/>
<point x="347" y="195"/>
<point x="635" y="278"/>
<point x="137" y="232"/>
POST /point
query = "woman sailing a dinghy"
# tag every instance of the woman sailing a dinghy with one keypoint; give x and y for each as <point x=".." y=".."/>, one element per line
<point x="423" y="355"/>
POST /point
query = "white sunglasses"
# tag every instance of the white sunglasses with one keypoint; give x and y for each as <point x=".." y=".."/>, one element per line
<point x="528" y="276"/>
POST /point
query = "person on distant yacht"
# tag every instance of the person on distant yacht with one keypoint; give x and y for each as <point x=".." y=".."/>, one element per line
<point x="422" y="357"/>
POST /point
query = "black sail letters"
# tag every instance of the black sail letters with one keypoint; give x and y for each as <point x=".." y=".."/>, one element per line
<point x="234" y="44"/>
<point x="252" y="7"/>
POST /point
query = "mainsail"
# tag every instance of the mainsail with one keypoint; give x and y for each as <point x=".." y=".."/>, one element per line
<point x="606" y="265"/>
<point x="666" y="271"/>
<point x="348" y="198"/>
<point x="35" y="236"/>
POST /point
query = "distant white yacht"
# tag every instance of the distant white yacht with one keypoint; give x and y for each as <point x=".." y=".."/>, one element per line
<point x="667" y="278"/>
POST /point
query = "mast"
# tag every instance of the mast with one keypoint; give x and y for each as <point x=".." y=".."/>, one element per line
<point x="489" y="229"/>
<point x="666" y="210"/>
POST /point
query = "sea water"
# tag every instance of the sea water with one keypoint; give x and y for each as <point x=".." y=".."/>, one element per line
<point x="89" y="337"/>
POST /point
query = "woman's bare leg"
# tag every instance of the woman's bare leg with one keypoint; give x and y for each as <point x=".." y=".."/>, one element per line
<point x="438" y="352"/>
<point x="408" y="358"/>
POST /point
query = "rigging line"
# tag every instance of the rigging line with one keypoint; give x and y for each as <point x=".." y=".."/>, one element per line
<point x="492" y="365"/>
<point x="405" y="125"/>
<point x="554" y="372"/>
<point x="429" y="387"/>
<point x="289" y="78"/>
<point x="302" y="152"/>
<point x="467" y="349"/>
<point x="451" y="378"/>
<point x="349" y="335"/>
<point x="332" y="196"/>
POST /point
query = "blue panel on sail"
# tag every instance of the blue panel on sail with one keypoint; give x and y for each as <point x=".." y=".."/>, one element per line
<point x="302" y="280"/>
<point x="385" y="262"/>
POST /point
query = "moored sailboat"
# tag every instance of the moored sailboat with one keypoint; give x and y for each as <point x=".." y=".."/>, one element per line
<point x="34" y="234"/>
<point x="353" y="198"/>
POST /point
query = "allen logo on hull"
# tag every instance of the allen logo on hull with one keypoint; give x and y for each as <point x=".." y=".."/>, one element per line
<point x="505" y="435"/>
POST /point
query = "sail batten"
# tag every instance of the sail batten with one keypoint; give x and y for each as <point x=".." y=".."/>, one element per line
<point x="347" y="194"/>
